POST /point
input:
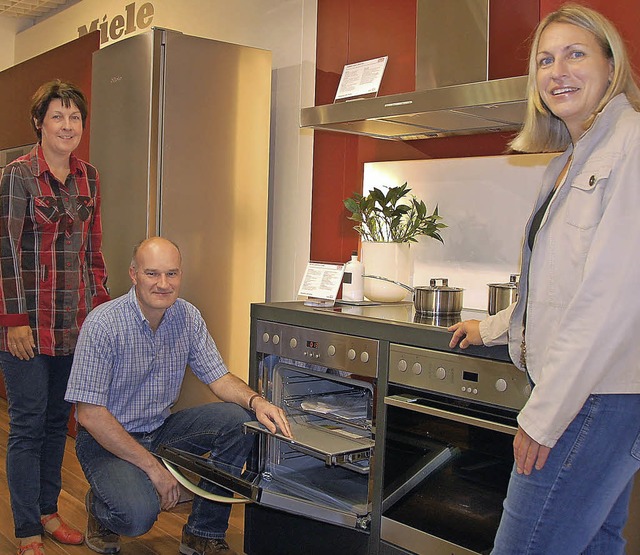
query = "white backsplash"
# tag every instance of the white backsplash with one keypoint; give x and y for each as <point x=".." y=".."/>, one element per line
<point x="485" y="201"/>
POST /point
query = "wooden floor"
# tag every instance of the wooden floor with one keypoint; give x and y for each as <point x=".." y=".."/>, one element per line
<point x="163" y="539"/>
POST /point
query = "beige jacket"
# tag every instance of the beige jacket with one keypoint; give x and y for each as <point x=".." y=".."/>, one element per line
<point x="581" y="283"/>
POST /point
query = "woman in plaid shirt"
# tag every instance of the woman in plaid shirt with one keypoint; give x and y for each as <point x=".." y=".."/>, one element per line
<point x="52" y="273"/>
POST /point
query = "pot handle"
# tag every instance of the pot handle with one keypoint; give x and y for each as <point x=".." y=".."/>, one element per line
<point x="434" y="281"/>
<point x="407" y="287"/>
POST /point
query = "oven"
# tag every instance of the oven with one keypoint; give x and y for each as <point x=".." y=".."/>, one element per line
<point x="318" y="485"/>
<point x="315" y="488"/>
<point x="449" y="426"/>
<point x="401" y="444"/>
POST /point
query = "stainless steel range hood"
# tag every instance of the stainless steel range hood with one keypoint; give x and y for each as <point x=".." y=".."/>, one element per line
<point x="454" y="96"/>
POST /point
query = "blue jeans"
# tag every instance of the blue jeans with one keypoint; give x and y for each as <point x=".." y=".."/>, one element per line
<point x="38" y="416"/>
<point x="125" y="499"/>
<point x="579" y="502"/>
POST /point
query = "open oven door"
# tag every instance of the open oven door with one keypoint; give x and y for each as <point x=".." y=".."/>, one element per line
<point x="322" y="472"/>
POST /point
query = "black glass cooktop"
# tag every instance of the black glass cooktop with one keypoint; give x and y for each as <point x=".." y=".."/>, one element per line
<point x="404" y="313"/>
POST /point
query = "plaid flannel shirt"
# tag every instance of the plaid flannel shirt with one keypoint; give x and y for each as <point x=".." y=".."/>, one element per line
<point x="52" y="271"/>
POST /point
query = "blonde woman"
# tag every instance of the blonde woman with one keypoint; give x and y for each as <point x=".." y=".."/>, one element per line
<point x="573" y="329"/>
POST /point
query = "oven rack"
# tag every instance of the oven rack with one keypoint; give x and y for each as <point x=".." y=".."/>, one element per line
<point x="341" y="407"/>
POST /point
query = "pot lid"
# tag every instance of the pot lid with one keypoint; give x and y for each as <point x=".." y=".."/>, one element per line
<point x="511" y="284"/>
<point x="444" y="285"/>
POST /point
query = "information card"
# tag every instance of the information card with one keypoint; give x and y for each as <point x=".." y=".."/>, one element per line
<point x="321" y="283"/>
<point x="362" y="78"/>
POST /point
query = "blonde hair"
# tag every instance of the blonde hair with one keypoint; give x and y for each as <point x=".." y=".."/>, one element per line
<point x="542" y="130"/>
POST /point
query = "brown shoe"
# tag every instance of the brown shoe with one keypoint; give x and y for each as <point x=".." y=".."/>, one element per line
<point x="98" y="538"/>
<point x="195" y="545"/>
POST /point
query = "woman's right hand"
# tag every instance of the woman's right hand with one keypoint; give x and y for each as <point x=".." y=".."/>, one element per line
<point x="20" y="342"/>
<point x="466" y="333"/>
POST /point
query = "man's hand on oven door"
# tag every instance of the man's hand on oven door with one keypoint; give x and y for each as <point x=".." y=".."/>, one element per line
<point x="272" y="417"/>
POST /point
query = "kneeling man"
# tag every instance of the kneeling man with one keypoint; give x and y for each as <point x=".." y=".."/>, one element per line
<point x="127" y="372"/>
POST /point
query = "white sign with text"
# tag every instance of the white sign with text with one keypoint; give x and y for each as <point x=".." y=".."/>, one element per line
<point x="361" y="78"/>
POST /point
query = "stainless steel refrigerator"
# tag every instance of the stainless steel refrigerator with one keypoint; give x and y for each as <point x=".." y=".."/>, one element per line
<point x="180" y="137"/>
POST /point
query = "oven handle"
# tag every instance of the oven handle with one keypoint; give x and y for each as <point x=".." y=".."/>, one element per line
<point x="198" y="490"/>
<point x="409" y="402"/>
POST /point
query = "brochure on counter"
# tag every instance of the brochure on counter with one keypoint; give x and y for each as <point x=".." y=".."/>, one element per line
<point x="321" y="283"/>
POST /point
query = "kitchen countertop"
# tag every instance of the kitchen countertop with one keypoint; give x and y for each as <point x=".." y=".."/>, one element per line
<point x="396" y="323"/>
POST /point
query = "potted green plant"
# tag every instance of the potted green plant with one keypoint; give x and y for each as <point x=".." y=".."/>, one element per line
<point x="394" y="217"/>
<point x="387" y="224"/>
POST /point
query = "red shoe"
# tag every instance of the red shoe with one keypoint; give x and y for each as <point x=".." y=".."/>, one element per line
<point x="63" y="533"/>
<point x="36" y="546"/>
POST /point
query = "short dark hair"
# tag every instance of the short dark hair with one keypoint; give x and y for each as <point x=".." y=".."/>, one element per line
<point x="67" y="93"/>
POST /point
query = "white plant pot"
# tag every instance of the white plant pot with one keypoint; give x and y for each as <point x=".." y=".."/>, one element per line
<point x="392" y="261"/>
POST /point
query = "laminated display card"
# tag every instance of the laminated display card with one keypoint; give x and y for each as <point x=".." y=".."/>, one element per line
<point x="361" y="79"/>
<point x="321" y="283"/>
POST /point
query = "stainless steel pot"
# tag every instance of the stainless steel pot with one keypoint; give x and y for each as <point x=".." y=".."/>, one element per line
<point x="434" y="298"/>
<point x="438" y="299"/>
<point x="501" y="295"/>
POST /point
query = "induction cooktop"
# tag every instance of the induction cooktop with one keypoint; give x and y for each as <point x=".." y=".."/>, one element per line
<point x="404" y="312"/>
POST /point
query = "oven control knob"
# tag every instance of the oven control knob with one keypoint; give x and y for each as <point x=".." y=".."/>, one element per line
<point x="402" y="365"/>
<point x="364" y="356"/>
<point x="441" y="373"/>
<point x="351" y="354"/>
<point x="276" y="339"/>
<point x="331" y="350"/>
<point x="265" y="337"/>
<point x="501" y="385"/>
<point x="293" y="343"/>
<point x="417" y="369"/>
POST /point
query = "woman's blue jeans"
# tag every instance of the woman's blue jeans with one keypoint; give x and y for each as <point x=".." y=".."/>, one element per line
<point x="124" y="499"/>
<point x="38" y="416"/>
<point x="579" y="502"/>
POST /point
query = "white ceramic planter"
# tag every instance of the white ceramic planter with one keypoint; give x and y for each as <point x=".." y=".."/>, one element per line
<point x="392" y="261"/>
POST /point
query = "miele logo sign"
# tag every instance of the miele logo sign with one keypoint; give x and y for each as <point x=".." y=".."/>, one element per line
<point x="120" y="25"/>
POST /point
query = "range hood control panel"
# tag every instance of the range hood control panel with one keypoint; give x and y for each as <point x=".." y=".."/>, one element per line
<point x="348" y="353"/>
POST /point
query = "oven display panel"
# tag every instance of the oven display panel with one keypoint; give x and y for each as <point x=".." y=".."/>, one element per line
<point x="312" y="344"/>
<point x="470" y="376"/>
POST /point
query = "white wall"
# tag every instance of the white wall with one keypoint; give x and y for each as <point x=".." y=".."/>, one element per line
<point x="9" y="26"/>
<point x="485" y="201"/>
<point x="288" y="29"/>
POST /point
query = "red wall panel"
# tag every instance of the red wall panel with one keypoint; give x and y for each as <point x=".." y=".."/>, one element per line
<point x="511" y="25"/>
<point x="356" y="30"/>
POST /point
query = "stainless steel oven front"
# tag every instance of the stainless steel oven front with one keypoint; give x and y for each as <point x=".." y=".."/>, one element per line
<point x="325" y="383"/>
<point x="449" y="427"/>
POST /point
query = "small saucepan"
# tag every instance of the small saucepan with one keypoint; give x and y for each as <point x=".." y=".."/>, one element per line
<point x="501" y="295"/>
<point x="434" y="298"/>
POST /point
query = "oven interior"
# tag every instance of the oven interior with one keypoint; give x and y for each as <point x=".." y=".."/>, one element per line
<point x="444" y="478"/>
<point x="325" y="467"/>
